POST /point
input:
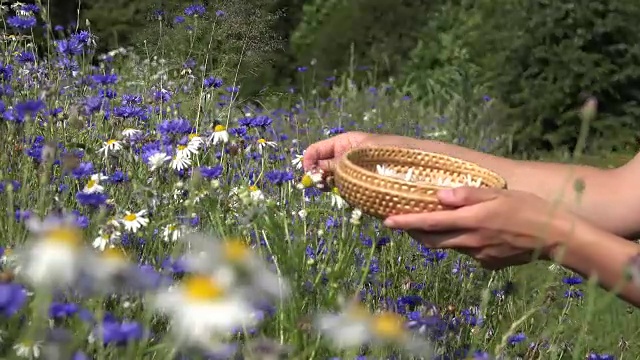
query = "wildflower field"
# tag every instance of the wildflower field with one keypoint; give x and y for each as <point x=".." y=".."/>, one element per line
<point x="152" y="214"/>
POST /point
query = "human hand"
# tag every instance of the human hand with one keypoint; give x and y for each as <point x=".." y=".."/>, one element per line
<point x="499" y="228"/>
<point x="323" y="154"/>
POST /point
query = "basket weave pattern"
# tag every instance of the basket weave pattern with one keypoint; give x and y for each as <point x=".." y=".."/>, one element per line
<point x="381" y="196"/>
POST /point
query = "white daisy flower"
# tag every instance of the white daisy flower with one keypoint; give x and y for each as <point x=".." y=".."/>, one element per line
<point x="195" y="141"/>
<point x="134" y="221"/>
<point x="180" y="162"/>
<point x="131" y="132"/>
<point x="157" y="160"/>
<point x="28" y="349"/>
<point x="310" y="179"/>
<point x="110" y="146"/>
<point x="93" y="185"/>
<point x="186" y="150"/>
<point x="256" y="194"/>
<point x="56" y="255"/>
<point x="220" y="135"/>
<point x="297" y="161"/>
<point x="336" y="200"/>
<point x="172" y="232"/>
<point x="201" y="309"/>
<point x="355" y="326"/>
<point x="104" y="238"/>
<point x="261" y="144"/>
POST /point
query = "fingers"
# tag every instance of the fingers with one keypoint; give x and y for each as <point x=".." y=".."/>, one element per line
<point x="444" y="239"/>
<point x="466" y="195"/>
<point x="444" y="220"/>
<point x="318" y="151"/>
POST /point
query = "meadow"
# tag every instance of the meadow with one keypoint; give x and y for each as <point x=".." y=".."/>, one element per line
<point x="107" y="170"/>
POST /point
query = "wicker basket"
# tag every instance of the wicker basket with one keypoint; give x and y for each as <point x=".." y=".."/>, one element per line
<point x="363" y="187"/>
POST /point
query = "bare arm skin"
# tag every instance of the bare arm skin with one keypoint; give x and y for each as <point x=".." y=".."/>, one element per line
<point x="610" y="200"/>
<point x="581" y="250"/>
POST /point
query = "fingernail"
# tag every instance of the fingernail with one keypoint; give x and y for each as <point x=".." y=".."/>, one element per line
<point x="446" y="194"/>
<point x="389" y="222"/>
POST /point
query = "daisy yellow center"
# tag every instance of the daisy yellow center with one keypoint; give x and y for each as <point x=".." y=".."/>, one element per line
<point x="182" y="147"/>
<point x="388" y="325"/>
<point x="335" y="191"/>
<point x="235" y="250"/>
<point x="64" y="235"/>
<point x="200" y="288"/>
<point x="111" y="141"/>
<point x="114" y="254"/>
<point x="130" y="217"/>
<point x="219" y="128"/>
<point x="91" y="183"/>
<point x="262" y="141"/>
<point x="171" y="228"/>
<point x="306" y="181"/>
<point x="253" y="188"/>
<point x="192" y="136"/>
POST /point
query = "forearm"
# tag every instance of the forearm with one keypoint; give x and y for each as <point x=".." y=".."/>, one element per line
<point x="592" y="252"/>
<point x="554" y="183"/>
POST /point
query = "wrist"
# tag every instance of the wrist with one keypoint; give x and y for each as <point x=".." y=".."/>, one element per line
<point x="564" y="238"/>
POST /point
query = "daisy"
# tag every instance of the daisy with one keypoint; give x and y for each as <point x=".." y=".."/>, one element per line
<point x="157" y="160"/>
<point x="186" y="150"/>
<point x="195" y="141"/>
<point x="261" y="144"/>
<point x="93" y="185"/>
<point x="172" y="232"/>
<point x="28" y="349"/>
<point x="336" y="200"/>
<point x="255" y="194"/>
<point x="297" y="160"/>
<point x="355" y="326"/>
<point x="180" y="162"/>
<point x="105" y="237"/>
<point x="56" y="254"/>
<point x="235" y="265"/>
<point x="131" y="133"/>
<point x="310" y="179"/>
<point x="220" y="135"/>
<point x="135" y="221"/>
<point x="201" y="308"/>
<point x="110" y="146"/>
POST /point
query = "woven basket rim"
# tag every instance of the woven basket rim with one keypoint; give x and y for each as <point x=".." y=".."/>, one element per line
<point x="418" y="185"/>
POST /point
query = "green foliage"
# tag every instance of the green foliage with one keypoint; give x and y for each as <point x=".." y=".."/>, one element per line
<point x="345" y="33"/>
<point x="542" y="59"/>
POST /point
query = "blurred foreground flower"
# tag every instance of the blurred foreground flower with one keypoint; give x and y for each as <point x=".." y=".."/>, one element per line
<point x="236" y="265"/>
<point x="354" y="326"/>
<point x="203" y="310"/>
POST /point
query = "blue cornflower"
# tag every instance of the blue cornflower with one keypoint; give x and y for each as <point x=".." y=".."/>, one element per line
<point x="108" y="93"/>
<point x="175" y="127"/>
<point x="120" y="333"/>
<point x="178" y="19"/>
<point x="83" y="170"/>
<point x="58" y="310"/>
<point x="595" y="356"/>
<point x="516" y="338"/>
<point x="12" y="298"/>
<point x="210" y="173"/>
<point x="25" y="57"/>
<point x="91" y="199"/>
<point x="21" y="215"/>
<point x="6" y="72"/>
<point x="572" y="280"/>
<point x="161" y="95"/>
<point x="195" y="10"/>
<point x="106" y="79"/>
<point x="279" y="177"/>
<point x="574" y="294"/>
<point x="220" y="13"/>
<point x="22" y="22"/>
<point x="335" y="130"/>
<point x="212" y="82"/>
<point x="131" y="99"/>
<point x="131" y="112"/>
<point x="70" y="47"/>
